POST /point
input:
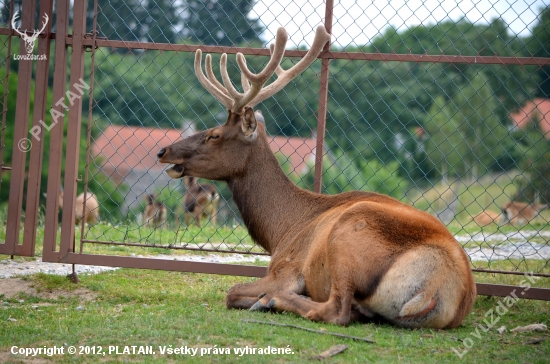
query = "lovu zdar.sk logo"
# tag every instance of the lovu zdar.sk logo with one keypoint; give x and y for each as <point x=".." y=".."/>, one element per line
<point x="29" y="40"/>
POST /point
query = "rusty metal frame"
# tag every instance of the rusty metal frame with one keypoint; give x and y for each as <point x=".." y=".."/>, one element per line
<point x="19" y="157"/>
<point x="79" y="43"/>
<point x="56" y="136"/>
<point x="4" y="111"/>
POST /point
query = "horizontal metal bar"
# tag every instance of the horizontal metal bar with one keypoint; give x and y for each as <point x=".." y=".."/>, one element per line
<point x="8" y="31"/>
<point x="483" y="289"/>
<point x="6" y="168"/>
<point x="499" y="290"/>
<point x="170" y="247"/>
<point x="165" y="264"/>
<point x="351" y="56"/>
<point x="479" y="270"/>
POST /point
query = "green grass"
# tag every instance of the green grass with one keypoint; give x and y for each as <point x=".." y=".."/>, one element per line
<point x="140" y="307"/>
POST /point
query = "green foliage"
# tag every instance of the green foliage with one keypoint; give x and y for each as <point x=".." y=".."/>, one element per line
<point x="464" y="135"/>
<point x="538" y="46"/>
<point x="223" y="22"/>
<point x="343" y="174"/>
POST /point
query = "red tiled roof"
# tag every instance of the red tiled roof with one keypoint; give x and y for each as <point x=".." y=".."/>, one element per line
<point x="126" y="148"/>
<point x="537" y="109"/>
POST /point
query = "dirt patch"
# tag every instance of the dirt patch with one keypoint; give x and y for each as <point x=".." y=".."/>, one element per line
<point x="11" y="287"/>
<point x="7" y="357"/>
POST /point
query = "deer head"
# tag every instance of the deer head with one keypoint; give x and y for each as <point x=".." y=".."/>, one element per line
<point x="221" y="152"/>
<point x="29" y="41"/>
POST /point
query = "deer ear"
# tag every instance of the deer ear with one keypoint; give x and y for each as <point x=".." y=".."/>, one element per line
<point x="249" y="123"/>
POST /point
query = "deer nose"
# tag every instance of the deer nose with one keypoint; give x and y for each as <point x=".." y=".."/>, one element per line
<point x="161" y="153"/>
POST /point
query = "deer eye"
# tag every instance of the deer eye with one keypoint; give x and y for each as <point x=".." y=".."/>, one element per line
<point x="213" y="136"/>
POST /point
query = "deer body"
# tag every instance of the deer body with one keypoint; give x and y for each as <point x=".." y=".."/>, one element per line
<point x="520" y="213"/>
<point x="486" y="217"/>
<point x="200" y="201"/>
<point x="90" y="208"/>
<point x="155" y="213"/>
<point x="334" y="258"/>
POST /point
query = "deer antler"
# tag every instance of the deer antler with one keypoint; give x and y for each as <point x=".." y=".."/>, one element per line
<point x="37" y="32"/>
<point x="252" y="83"/>
<point x="15" y="28"/>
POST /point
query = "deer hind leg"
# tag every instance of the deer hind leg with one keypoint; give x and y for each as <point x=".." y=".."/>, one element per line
<point x="420" y="291"/>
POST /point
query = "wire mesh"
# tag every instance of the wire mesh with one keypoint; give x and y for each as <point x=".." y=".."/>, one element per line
<point x="464" y="141"/>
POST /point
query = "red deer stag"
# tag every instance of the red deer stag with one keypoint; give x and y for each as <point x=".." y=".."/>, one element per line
<point x="334" y="258"/>
<point x="200" y="201"/>
<point x="155" y="213"/>
<point x="520" y="213"/>
<point x="90" y="207"/>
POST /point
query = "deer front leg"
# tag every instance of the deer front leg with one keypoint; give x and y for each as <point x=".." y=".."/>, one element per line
<point x="337" y="310"/>
<point x="256" y="295"/>
<point x="244" y="296"/>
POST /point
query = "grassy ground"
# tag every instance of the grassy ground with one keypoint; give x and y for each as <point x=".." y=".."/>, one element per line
<point x="139" y="307"/>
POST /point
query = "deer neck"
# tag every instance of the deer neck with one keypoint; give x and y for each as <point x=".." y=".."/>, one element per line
<point x="271" y="206"/>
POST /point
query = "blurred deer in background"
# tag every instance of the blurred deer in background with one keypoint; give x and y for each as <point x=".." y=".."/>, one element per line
<point x="90" y="208"/>
<point x="334" y="258"/>
<point x="520" y="213"/>
<point x="486" y="217"/>
<point x="200" y="201"/>
<point x="155" y="213"/>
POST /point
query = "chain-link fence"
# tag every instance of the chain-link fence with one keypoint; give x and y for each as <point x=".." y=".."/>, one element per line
<point x="444" y="105"/>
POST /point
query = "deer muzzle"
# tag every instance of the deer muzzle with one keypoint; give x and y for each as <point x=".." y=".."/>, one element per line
<point x="165" y="156"/>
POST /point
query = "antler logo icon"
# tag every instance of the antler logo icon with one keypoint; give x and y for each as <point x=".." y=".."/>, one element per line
<point x="29" y="41"/>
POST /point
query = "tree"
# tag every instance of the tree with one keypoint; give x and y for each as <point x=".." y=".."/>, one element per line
<point x="220" y="22"/>
<point x="465" y="135"/>
<point x="538" y="45"/>
<point x="135" y="20"/>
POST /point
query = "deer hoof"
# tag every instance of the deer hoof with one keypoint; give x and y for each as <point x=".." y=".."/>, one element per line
<point x="271" y="303"/>
<point x="258" y="306"/>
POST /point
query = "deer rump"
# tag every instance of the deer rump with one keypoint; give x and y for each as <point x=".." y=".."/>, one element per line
<point x="334" y="258"/>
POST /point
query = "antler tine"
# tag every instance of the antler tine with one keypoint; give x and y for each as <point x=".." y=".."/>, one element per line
<point x="226" y="80"/>
<point x="239" y="100"/>
<point x="284" y="77"/>
<point x="276" y="57"/>
<point x="209" y="86"/>
<point x="279" y="69"/>
<point x="13" y="24"/>
<point x="46" y="18"/>
<point x="211" y="77"/>
<point x="244" y="81"/>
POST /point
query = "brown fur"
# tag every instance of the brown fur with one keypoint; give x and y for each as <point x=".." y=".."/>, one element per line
<point x="155" y="213"/>
<point x="520" y="213"/>
<point x="486" y="217"/>
<point x="335" y="258"/>
<point x="200" y="201"/>
<point x="91" y="208"/>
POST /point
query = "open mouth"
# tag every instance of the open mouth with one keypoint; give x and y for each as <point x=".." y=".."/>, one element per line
<point x="176" y="171"/>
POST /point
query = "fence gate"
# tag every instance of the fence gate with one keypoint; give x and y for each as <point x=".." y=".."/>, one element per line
<point x="119" y="94"/>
